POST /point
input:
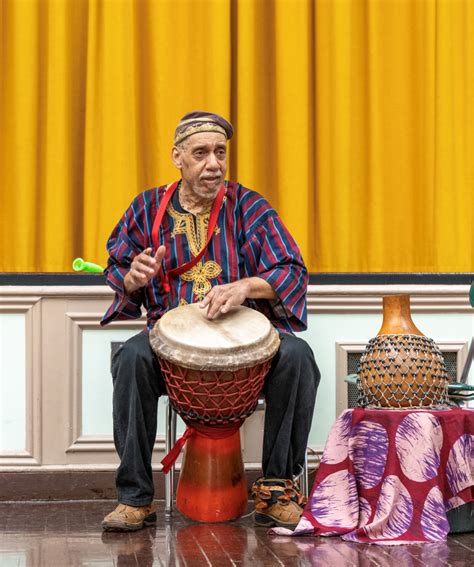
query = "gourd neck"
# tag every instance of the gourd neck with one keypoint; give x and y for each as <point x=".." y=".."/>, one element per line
<point x="397" y="317"/>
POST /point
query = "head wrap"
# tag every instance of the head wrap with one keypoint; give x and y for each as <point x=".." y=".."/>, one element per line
<point x="201" y="121"/>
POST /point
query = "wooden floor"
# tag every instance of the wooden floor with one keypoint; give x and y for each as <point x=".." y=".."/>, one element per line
<point x="68" y="534"/>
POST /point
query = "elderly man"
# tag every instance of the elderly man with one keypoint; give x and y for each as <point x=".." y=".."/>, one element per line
<point x="251" y="259"/>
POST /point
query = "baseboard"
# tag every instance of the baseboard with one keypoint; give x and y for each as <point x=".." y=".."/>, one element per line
<point x="76" y="485"/>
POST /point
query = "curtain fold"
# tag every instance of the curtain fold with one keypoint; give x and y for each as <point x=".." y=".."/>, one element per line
<point x="353" y="117"/>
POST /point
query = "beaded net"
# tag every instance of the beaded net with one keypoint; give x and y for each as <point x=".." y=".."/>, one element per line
<point x="218" y="397"/>
<point x="402" y="371"/>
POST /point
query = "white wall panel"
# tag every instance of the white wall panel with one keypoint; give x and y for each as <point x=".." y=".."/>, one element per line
<point x="97" y="382"/>
<point x="12" y="383"/>
<point x="324" y="330"/>
<point x="56" y="387"/>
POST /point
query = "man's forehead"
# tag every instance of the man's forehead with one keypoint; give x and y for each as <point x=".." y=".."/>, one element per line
<point x="206" y="139"/>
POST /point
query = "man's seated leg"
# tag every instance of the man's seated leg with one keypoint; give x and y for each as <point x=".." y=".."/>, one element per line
<point x="290" y="394"/>
<point x="138" y="383"/>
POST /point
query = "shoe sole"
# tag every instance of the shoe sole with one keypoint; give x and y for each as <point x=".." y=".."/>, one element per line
<point x="124" y="527"/>
<point x="269" y="522"/>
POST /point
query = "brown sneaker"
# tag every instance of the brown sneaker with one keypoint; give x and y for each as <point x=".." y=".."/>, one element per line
<point x="278" y="502"/>
<point x="129" y="518"/>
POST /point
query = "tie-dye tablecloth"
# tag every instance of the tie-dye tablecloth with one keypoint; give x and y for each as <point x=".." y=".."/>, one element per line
<point x="389" y="476"/>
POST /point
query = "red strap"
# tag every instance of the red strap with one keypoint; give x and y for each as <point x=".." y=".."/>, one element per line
<point x="203" y="431"/>
<point x="210" y="229"/>
<point x="159" y="215"/>
<point x="171" y="457"/>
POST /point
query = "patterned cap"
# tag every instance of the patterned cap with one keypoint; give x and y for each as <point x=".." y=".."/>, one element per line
<point x="201" y="121"/>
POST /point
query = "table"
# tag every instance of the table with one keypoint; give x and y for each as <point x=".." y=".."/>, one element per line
<point x="390" y="476"/>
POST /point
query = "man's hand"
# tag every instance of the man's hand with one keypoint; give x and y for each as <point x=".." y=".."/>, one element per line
<point x="143" y="268"/>
<point x="222" y="298"/>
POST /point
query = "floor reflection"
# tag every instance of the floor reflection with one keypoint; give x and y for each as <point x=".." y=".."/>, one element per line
<point x="69" y="535"/>
<point x="127" y="548"/>
<point x="334" y="552"/>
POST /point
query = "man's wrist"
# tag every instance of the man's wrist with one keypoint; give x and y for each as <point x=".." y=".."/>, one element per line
<point x="247" y="287"/>
<point x="258" y="288"/>
<point x="128" y="287"/>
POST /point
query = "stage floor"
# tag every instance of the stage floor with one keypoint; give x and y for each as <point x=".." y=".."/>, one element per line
<point x="68" y="534"/>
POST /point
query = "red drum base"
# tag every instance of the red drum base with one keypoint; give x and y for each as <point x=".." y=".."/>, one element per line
<point x="212" y="486"/>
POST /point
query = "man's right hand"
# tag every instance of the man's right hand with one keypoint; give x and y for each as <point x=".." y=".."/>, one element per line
<point x="143" y="268"/>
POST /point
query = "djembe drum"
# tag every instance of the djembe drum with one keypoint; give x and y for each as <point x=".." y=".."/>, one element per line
<point x="400" y="367"/>
<point x="214" y="371"/>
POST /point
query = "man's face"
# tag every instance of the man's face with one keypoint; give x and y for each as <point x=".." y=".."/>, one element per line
<point x="202" y="159"/>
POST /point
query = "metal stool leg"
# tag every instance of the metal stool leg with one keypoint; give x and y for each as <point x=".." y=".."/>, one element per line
<point x="170" y="440"/>
<point x="304" y="476"/>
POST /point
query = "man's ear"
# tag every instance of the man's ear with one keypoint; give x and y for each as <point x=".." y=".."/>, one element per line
<point x="176" y="156"/>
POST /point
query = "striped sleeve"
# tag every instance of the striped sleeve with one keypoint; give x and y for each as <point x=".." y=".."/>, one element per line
<point x="126" y="241"/>
<point x="271" y="253"/>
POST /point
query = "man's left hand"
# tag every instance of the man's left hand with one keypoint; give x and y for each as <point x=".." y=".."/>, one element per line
<point x="223" y="297"/>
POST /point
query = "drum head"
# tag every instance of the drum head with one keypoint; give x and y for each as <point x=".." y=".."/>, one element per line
<point x="239" y="339"/>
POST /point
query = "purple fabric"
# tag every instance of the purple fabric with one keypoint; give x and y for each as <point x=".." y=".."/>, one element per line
<point x="389" y="476"/>
<point x="368" y="447"/>
<point x="433" y="518"/>
<point x="418" y="454"/>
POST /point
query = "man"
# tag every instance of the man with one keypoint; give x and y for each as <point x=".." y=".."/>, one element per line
<point x="250" y="259"/>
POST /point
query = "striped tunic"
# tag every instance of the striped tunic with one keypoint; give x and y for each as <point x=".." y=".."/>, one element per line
<point x="249" y="240"/>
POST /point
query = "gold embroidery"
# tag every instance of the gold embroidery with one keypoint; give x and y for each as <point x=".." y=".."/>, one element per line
<point x="207" y="126"/>
<point x="182" y="301"/>
<point x="202" y="272"/>
<point x="184" y="224"/>
<point x="200" y="276"/>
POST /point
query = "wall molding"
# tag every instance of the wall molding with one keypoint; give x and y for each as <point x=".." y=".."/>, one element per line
<point x="368" y="298"/>
<point x="30" y="307"/>
<point x="96" y="444"/>
<point x="56" y="318"/>
<point x="314" y="458"/>
<point x="321" y="298"/>
<point x="76" y="323"/>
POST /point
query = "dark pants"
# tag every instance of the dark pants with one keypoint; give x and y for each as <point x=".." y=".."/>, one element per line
<point x="290" y="394"/>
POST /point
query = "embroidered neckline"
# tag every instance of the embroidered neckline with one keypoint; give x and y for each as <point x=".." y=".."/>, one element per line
<point x="196" y="234"/>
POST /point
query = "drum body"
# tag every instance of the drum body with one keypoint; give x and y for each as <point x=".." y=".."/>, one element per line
<point x="214" y="372"/>
<point x="400" y="367"/>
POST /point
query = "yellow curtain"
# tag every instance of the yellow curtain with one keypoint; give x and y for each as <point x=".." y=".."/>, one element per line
<point x="354" y="118"/>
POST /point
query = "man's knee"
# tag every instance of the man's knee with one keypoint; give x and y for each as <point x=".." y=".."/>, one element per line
<point x="294" y="364"/>
<point x="297" y="353"/>
<point x="292" y="347"/>
<point x="135" y="348"/>
<point x="135" y="361"/>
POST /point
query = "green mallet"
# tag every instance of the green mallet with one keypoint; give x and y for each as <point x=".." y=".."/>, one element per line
<point x="471" y="295"/>
<point x="79" y="265"/>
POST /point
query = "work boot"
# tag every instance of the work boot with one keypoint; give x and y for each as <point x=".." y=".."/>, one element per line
<point x="278" y="502"/>
<point x="129" y="518"/>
